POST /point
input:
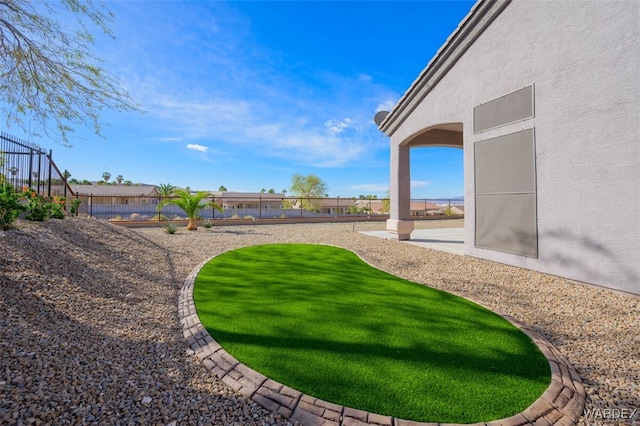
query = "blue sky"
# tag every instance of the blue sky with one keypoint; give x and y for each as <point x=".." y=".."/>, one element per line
<point x="246" y="94"/>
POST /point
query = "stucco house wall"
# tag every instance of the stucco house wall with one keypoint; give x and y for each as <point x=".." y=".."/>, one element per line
<point x="583" y="60"/>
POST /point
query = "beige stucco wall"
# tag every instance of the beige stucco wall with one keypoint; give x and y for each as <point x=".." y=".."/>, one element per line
<point x="584" y="60"/>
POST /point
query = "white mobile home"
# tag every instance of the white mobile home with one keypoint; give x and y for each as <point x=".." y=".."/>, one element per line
<point x="544" y="99"/>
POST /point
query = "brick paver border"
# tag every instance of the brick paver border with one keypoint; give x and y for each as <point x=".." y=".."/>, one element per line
<point x="561" y="404"/>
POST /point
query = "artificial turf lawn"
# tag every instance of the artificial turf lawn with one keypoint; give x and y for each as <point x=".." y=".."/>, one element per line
<point x="322" y="321"/>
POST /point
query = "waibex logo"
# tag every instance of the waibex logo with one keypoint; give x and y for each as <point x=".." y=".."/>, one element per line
<point x="611" y="413"/>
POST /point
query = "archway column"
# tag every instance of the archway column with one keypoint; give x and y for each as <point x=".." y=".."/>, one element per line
<point x="399" y="222"/>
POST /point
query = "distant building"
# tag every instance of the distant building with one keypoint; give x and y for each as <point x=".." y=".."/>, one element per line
<point x="544" y="99"/>
<point x="424" y="208"/>
<point x="248" y="200"/>
<point x="118" y="194"/>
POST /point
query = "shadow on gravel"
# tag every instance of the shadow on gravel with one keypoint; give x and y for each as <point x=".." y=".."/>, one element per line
<point x="76" y="349"/>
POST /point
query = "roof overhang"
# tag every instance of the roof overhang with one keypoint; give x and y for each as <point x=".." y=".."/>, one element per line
<point x="477" y="20"/>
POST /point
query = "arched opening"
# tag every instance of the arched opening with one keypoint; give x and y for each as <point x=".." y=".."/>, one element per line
<point x="437" y="173"/>
<point x="406" y="170"/>
<point x="442" y="135"/>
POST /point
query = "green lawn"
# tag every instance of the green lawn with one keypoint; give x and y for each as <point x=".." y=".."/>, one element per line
<point x="322" y="321"/>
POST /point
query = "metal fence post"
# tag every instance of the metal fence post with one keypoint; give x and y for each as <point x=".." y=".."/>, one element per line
<point x="30" y="167"/>
<point x="49" y="157"/>
<point x="64" y="179"/>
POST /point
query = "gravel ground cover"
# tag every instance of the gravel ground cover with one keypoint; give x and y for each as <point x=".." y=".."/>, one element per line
<point x="89" y="331"/>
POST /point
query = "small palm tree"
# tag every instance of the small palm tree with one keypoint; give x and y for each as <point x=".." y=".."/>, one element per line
<point x="191" y="204"/>
<point x="166" y="190"/>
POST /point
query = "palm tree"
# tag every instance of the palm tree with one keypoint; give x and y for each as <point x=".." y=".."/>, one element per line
<point x="119" y="178"/>
<point x="166" y="190"/>
<point x="191" y="204"/>
<point x="106" y="176"/>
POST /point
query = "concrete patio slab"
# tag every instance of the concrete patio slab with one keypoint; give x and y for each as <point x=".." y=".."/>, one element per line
<point x="450" y="240"/>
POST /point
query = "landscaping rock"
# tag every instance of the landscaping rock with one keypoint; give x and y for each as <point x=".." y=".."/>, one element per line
<point x="89" y="331"/>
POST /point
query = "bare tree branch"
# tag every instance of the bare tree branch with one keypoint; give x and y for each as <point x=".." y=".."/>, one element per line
<point x="48" y="74"/>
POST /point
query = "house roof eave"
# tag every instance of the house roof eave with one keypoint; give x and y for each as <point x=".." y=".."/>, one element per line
<point x="477" y="20"/>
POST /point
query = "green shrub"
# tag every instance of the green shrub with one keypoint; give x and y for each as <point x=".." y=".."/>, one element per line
<point x="10" y="206"/>
<point x="37" y="209"/>
<point x="207" y="224"/>
<point x="75" y="204"/>
<point x="56" y="208"/>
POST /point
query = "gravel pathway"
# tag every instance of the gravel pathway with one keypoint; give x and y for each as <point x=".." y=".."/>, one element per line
<point x="89" y="331"/>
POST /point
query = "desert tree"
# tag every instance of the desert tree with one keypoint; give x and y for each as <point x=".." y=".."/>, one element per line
<point x="386" y="202"/>
<point x="51" y="81"/>
<point x="309" y="188"/>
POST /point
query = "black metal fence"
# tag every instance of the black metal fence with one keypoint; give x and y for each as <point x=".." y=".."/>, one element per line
<point x="24" y="164"/>
<point x="255" y="207"/>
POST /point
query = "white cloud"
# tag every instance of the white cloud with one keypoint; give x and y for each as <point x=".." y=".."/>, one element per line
<point x="419" y="183"/>
<point x="277" y="115"/>
<point x="238" y="124"/>
<point x="308" y="147"/>
<point x="197" y="147"/>
<point x="335" y="126"/>
<point x="386" y="105"/>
